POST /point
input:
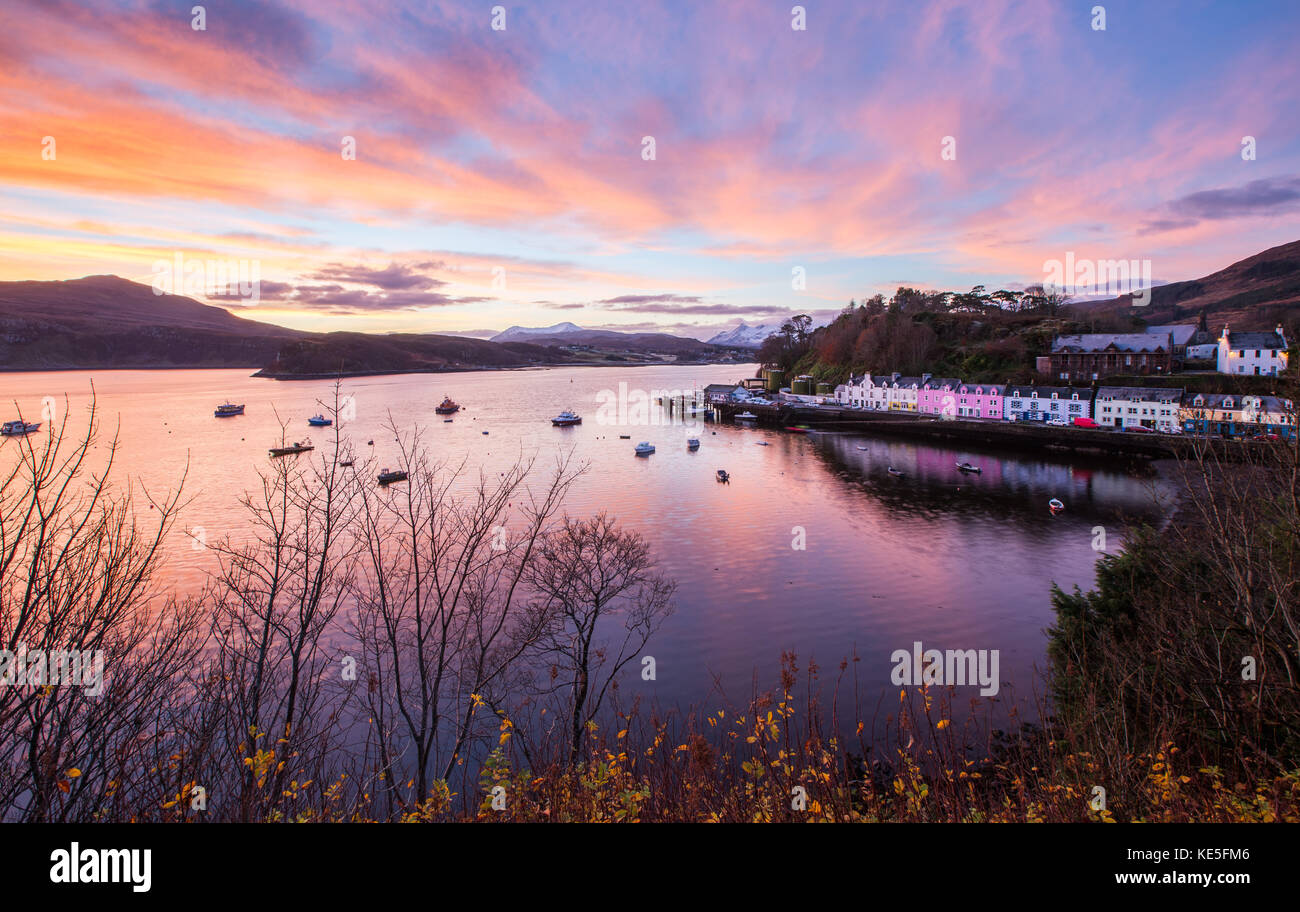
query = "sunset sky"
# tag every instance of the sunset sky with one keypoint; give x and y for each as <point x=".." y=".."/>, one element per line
<point x="521" y="150"/>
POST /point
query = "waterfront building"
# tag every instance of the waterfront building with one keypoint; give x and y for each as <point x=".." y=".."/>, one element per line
<point x="1129" y="406"/>
<point x="1046" y="403"/>
<point x="1226" y="415"/>
<point x="938" y="396"/>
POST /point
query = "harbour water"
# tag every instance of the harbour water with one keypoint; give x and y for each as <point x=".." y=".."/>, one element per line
<point x="812" y="548"/>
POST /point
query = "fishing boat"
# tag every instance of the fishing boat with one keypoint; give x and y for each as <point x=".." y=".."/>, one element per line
<point x="229" y="410"/>
<point x="746" y="416"/>
<point x="967" y="467"/>
<point x="447" y="407"/>
<point x="644" y="448"/>
<point x="292" y="450"/>
<point x="1055" y="505"/>
<point x="346" y="463"/>
<point x="319" y="421"/>
<point x="387" y="477"/>
<point x="897" y="474"/>
<point x="723" y="476"/>
<point x="762" y="443"/>
<point x="19" y="428"/>
<point x="693" y="443"/>
<point x="566" y="418"/>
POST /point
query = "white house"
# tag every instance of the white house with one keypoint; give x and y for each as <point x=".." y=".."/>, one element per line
<point x="1255" y="353"/>
<point x="1127" y="406"/>
<point x="1046" y="403"/>
<point x="877" y="393"/>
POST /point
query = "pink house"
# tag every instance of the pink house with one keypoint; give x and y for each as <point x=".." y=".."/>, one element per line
<point x="980" y="400"/>
<point x="938" y="396"/>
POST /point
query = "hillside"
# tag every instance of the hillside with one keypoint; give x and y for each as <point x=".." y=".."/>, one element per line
<point x="106" y="321"/>
<point x="331" y="354"/>
<point x="110" y="322"/>
<point x="1255" y="293"/>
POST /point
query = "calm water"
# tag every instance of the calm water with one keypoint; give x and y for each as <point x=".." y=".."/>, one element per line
<point x="957" y="562"/>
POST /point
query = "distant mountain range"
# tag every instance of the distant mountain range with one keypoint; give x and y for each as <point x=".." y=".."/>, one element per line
<point x="111" y="322"/>
<point x="515" y="333"/>
<point x="1255" y="293"/>
<point x="744" y="336"/>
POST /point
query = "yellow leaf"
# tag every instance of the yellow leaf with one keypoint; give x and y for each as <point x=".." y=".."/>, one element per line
<point x="74" y="773"/>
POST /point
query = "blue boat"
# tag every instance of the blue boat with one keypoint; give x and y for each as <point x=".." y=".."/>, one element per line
<point x="228" y="410"/>
<point x="319" y="421"/>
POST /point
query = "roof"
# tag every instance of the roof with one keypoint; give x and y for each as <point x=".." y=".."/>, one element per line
<point x="936" y="383"/>
<point x="903" y="382"/>
<point x="1148" y="393"/>
<point x="1273" y="404"/>
<point x="1238" y="341"/>
<point x="1098" y="342"/>
<point x="1182" y="332"/>
<point x="722" y="387"/>
<point x="1045" y="392"/>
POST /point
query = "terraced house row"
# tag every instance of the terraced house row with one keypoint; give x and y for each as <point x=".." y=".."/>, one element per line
<point x="1170" y="410"/>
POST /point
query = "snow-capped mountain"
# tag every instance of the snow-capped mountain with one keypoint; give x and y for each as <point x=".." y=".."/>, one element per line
<point x="744" y="336"/>
<point x="523" y="333"/>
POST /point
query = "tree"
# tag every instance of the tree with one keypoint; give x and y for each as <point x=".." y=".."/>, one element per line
<point x="591" y="573"/>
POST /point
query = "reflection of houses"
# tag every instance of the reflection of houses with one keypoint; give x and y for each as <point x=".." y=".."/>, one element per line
<point x="1129" y="406"/>
<point x="1222" y="415"/>
<point x="1091" y="356"/>
<point x="1253" y="353"/>
<point x="1046" y="403"/>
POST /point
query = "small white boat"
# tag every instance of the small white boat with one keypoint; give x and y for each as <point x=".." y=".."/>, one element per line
<point x="644" y="449"/>
<point x="967" y="467"/>
<point x="864" y="448"/>
<point x="896" y="473"/>
<point x="693" y="443"/>
<point x="746" y="416"/>
<point x="1055" y="505"/>
<point x="19" y="428"/>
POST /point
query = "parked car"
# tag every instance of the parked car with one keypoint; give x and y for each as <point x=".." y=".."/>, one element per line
<point x="1266" y="437"/>
<point x="1139" y="429"/>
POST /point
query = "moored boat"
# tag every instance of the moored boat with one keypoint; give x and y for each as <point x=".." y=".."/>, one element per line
<point x="1055" y="505"/>
<point x="319" y="421"/>
<point x="292" y="450"/>
<point x="387" y="477"/>
<point x="896" y="473"/>
<point x="967" y="467"/>
<point x="19" y="428"/>
<point x="723" y="476"/>
<point x="693" y="443"/>
<point x="566" y="418"/>
<point x="746" y="416"/>
<point x="644" y="448"/>
<point x="228" y="410"/>
<point x="447" y="407"/>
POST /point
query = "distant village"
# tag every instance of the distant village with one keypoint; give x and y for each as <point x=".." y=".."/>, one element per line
<point x="1074" y="360"/>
